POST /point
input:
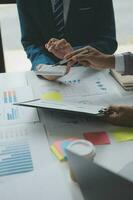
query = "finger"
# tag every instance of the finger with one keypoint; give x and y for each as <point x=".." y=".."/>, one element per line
<point x="85" y="63"/>
<point x="68" y="46"/>
<point x="71" y="63"/>
<point x="68" y="69"/>
<point x="48" y="46"/>
<point x="52" y="48"/>
<point x="81" y="58"/>
<point x="84" y="50"/>
<point x="77" y="58"/>
<point x="51" y="42"/>
<point x="60" y="44"/>
<point x="125" y="108"/>
<point x="113" y="118"/>
<point x="114" y="108"/>
<point x="82" y="62"/>
<point x="73" y="60"/>
<point x="67" y="56"/>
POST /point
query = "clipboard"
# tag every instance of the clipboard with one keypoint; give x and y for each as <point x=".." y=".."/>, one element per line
<point x="94" y="110"/>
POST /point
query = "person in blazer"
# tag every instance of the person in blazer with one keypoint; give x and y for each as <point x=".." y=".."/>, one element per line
<point x="87" y="22"/>
<point x="91" y="57"/>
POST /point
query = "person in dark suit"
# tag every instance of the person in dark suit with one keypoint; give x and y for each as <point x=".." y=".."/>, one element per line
<point x="84" y="22"/>
<point x="91" y="57"/>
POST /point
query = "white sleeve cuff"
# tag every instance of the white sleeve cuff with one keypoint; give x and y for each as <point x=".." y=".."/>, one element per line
<point x="119" y="63"/>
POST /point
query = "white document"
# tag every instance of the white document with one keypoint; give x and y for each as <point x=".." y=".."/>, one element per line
<point x="65" y="106"/>
<point x="19" y="139"/>
<point x="16" y="94"/>
<point x="78" y="86"/>
<point x="32" y="136"/>
<point x="11" y="114"/>
<point x="62" y="125"/>
<point x="13" y="79"/>
<point x="15" y="154"/>
<point x="41" y="182"/>
<point x="50" y="70"/>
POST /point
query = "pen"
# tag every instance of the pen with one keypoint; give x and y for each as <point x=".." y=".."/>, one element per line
<point x="62" y="62"/>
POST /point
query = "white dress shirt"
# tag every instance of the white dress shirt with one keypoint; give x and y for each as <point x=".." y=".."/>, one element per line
<point x="119" y="63"/>
<point x="66" y="4"/>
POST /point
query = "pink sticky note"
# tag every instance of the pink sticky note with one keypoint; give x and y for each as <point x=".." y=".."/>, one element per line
<point x="97" y="138"/>
<point x="57" y="144"/>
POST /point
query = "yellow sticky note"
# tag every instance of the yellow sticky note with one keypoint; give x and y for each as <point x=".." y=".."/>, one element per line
<point x="57" y="153"/>
<point x="123" y="134"/>
<point x="52" y="95"/>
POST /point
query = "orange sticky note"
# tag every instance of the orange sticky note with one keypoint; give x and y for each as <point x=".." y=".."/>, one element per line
<point x="97" y="138"/>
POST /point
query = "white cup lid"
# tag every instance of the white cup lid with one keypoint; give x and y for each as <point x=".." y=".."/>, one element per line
<point x="81" y="147"/>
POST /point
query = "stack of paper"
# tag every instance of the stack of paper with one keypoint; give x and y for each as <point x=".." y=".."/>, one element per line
<point x="125" y="80"/>
<point x="58" y="148"/>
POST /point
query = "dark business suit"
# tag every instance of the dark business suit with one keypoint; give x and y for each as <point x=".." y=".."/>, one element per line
<point x="88" y="22"/>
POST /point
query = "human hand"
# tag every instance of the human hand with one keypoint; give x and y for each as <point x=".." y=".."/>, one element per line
<point x="120" y="115"/>
<point x="58" y="47"/>
<point x="91" y="57"/>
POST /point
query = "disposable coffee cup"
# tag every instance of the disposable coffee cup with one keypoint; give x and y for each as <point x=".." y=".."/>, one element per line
<point x="82" y="148"/>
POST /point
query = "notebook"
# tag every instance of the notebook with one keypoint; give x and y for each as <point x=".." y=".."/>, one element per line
<point x="126" y="81"/>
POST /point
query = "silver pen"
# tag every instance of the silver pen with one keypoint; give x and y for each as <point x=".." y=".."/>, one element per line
<point x="62" y="62"/>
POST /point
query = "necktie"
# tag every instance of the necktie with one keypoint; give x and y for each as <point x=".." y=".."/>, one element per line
<point x="59" y="17"/>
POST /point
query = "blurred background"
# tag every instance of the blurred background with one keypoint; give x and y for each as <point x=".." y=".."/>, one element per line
<point x="15" y="57"/>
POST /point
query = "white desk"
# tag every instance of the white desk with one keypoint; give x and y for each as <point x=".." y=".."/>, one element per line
<point x="114" y="156"/>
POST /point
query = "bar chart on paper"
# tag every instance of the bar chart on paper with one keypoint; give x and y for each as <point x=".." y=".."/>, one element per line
<point x="10" y="96"/>
<point x="13" y="114"/>
<point x="10" y="114"/>
<point x="15" y="158"/>
<point x="14" y="95"/>
<point x="15" y="155"/>
<point x="72" y="81"/>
